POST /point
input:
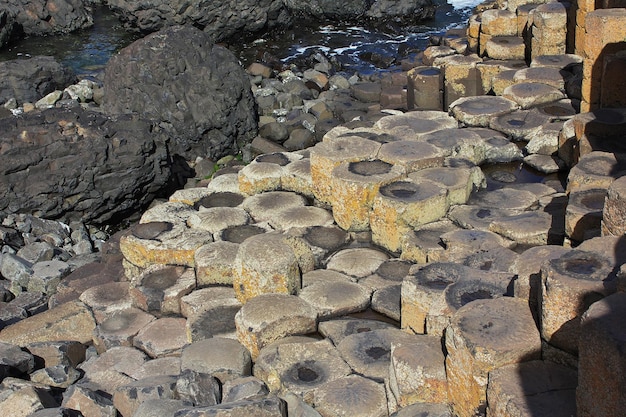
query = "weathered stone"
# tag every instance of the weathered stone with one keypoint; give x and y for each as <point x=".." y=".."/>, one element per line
<point x="244" y="388"/>
<point x="215" y="318"/>
<point x="265" y="264"/>
<point x="127" y="398"/>
<point x="158" y="289"/>
<point x="485" y="335"/>
<point x="299" y="367"/>
<point x="402" y="206"/>
<point x="106" y="299"/>
<point x="431" y="294"/>
<point x="337" y="298"/>
<point x="354" y="186"/>
<point x="413" y="125"/>
<point x="70" y="321"/>
<point x="476" y="111"/>
<point x="532" y="94"/>
<point x="119" y="328"/>
<point x="110" y="369"/>
<point x="269" y="406"/>
<point x="162" y="337"/>
<point x="424" y="245"/>
<point x="528" y="268"/>
<point x="357" y="262"/>
<point x="174" y="247"/>
<point x="528" y="229"/>
<point x="505" y="47"/>
<point x="360" y="395"/>
<point x="614" y="211"/>
<point x="601" y="358"/>
<point x="569" y="285"/>
<point x="583" y="216"/>
<point x="88" y="402"/>
<point x="534" y="387"/>
<point x="369" y="353"/>
<point x="327" y="155"/>
<point x="226" y="359"/>
<point x="23" y="401"/>
<point x="338" y="329"/>
<point x="417" y="373"/>
<point x="168" y="365"/>
<point x="198" y="388"/>
<point x="57" y="376"/>
<point x="269" y="317"/>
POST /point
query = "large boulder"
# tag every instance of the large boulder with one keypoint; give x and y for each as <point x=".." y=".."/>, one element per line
<point x="49" y="17"/>
<point x="219" y="19"/>
<point x="71" y="164"/>
<point x="31" y="79"/>
<point x="194" y="90"/>
<point x="409" y="11"/>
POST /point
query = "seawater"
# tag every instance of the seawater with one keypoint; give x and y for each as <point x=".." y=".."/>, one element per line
<point x="87" y="51"/>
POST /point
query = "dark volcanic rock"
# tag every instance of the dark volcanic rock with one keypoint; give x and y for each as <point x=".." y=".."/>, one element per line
<point x="409" y="11"/>
<point x="49" y="17"/>
<point x="8" y="26"/>
<point x="219" y="19"/>
<point x="195" y="91"/>
<point x="31" y="79"/>
<point x="73" y="164"/>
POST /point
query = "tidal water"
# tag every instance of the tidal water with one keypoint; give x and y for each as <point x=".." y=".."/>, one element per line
<point x="87" y="51"/>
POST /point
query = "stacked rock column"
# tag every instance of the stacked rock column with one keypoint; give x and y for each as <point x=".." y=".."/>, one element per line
<point x="604" y="43"/>
<point x="549" y="29"/>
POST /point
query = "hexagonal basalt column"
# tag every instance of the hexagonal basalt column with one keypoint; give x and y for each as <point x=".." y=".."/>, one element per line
<point x="417" y="372"/>
<point x="485" y="335"/>
<point x="265" y="264"/>
<point x="411" y="155"/>
<point x="403" y="205"/>
<point x="583" y="215"/>
<point x="327" y="155"/>
<point x="354" y="186"/>
<point x="425" y="88"/>
<point x="270" y="317"/>
<point x="477" y="111"/>
<point x="299" y="367"/>
<point x="458" y="182"/>
<point x="570" y="284"/>
<point x="431" y="294"/>
<point x="162" y="243"/>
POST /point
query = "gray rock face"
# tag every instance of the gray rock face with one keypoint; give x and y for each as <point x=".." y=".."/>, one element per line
<point x="31" y="79"/>
<point x="195" y="91"/>
<point x="220" y="20"/>
<point x="45" y="17"/>
<point x="73" y="164"/>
